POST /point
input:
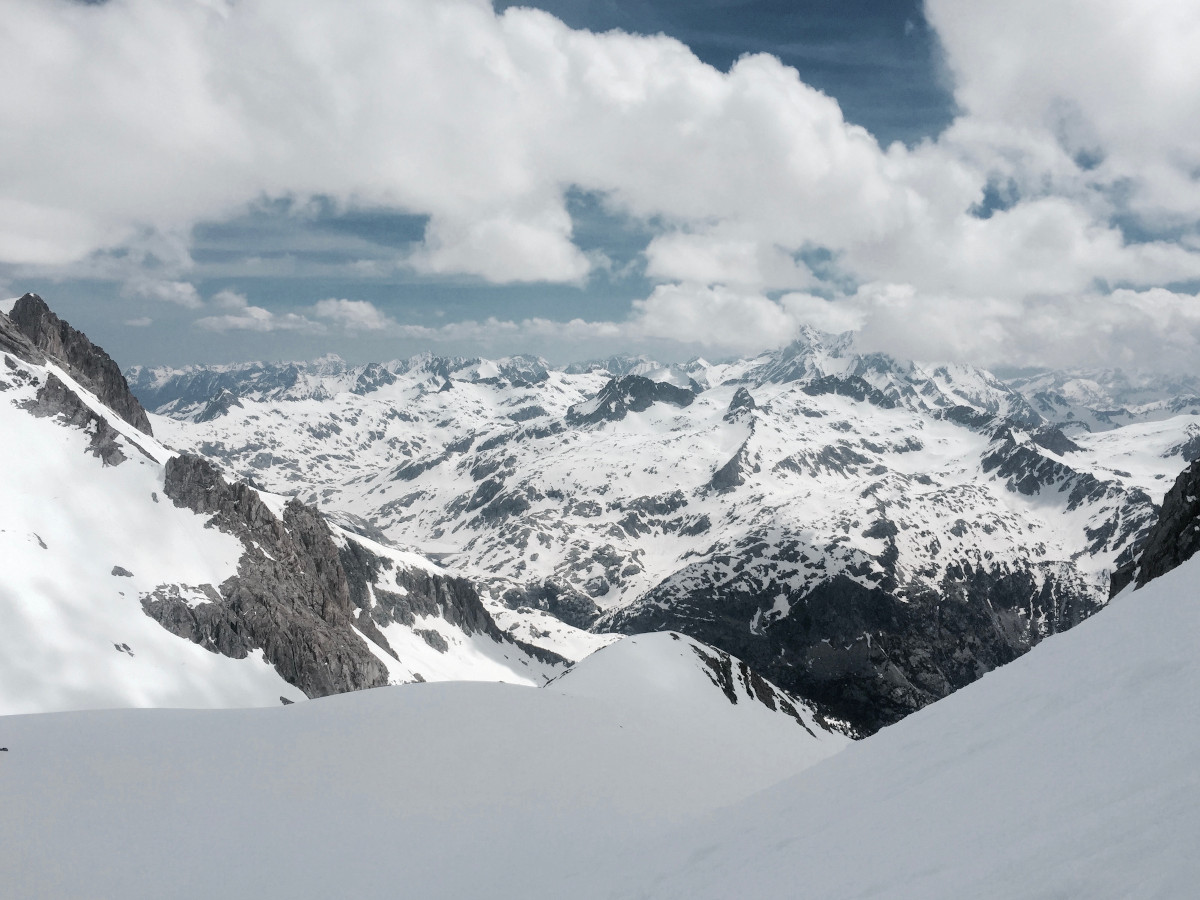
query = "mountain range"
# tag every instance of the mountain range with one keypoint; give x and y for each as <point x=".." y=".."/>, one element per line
<point x="869" y="533"/>
<point x="141" y="570"/>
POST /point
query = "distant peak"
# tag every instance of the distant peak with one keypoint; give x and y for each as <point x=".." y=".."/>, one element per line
<point x="87" y="363"/>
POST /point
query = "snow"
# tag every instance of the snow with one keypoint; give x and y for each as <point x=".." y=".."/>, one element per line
<point x="412" y="459"/>
<point x="66" y="521"/>
<point x="1069" y="773"/>
<point x="434" y="790"/>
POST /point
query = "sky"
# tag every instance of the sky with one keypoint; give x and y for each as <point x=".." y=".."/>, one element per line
<point x="1014" y="183"/>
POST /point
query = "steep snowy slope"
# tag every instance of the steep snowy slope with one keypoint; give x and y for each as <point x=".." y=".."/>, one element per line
<point x="1069" y="773"/>
<point x="84" y="533"/>
<point x="431" y="791"/>
<point x="135" y="577"/>
<point x="869" y="533"/>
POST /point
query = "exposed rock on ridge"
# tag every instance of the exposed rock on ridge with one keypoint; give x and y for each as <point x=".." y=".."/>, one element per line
<point x="629" y="393"/>
<point x="290" y="597"/>
<point x="1173" y="539"/>
<point x="866" y="655"/>
<point x="56" y="399"/>
<point x="87" y="363"/>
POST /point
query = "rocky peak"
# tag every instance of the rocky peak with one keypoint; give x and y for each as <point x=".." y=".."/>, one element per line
<point x="291" y="596"/>
<point x="1174" y="538"/>
<point x="629" y="393"/>
<point x="741" y="404"/>
<point x="87" y="363"/>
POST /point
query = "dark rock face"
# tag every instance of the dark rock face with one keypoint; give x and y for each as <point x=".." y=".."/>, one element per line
<point x="725" y="675"/>
<point x="290" y="596"/>
<point x="424" y="594"/>
<point x="867" y="656"/>
<point x="1175" y="537"/>
<point x="732" y="474"/>
<point x="87" y="363"/>
<point x="560" y="600"/>
<point x="56" y="399"/>
<point x="629" y="393"/>
<point x="14" y="341"/>
<point x="849" y="386"/>
<point x="218" y="406"/>
<point x="373" y="377"/>
<point x="740" y="405"/>
<point x="1052" y="439"/>
<point x="1028" y="471"/>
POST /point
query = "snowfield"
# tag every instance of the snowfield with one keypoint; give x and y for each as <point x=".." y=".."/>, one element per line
<point x="435" y="790"/>
<point x="74" y="634"/>
<point x="1071" y="772"/>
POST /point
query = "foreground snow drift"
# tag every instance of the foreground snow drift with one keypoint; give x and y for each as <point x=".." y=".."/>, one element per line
<point x="1069" y="773"/>
<point x="436" y="790"/>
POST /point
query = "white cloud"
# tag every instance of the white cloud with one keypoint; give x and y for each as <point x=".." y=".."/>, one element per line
<point x="1112" y="81"/>
<point x="1155" y="328"/>
<point x="140" y="322"/>
<point x="134" y="119"/>
<point x="229" y="299"/>
<point x="180" y="293"/>
<point x="353" y="315"/>
<point x="478" y="120"/>
<point x="244" y="317"/>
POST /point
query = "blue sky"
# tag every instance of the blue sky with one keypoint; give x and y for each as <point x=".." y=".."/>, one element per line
<point x="212" y="181"/>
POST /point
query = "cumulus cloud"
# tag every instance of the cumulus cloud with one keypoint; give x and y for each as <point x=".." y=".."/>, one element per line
<point x="1098" y="93"/>
<point x="180" y="293"/>
<point x="241" y="316"/>
<point x="480" y="121"/>
<point x="136" y="118"/>
<point x="353" y="315"/>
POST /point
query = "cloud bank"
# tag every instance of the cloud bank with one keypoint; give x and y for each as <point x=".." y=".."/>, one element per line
<point x="1056" y="218"/>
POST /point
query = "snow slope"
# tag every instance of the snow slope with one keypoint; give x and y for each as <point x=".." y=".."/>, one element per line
<point x="74" y="634"/>
<point x="439" y="790"/>
<point x="88" y="535"/>
<point x="1071" y="772"/>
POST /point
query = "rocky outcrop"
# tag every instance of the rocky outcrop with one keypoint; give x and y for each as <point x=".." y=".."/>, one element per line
<point x="87" y="363"/>
<point x="54" y="398"/>
<point x="732" y="474"/>
<point x="629" y="393"/>
<point x="727" y="673"/>
<point x="866" y="655"/>
<point x="849" y="386"/>
<point x="290" y="597"/>
<point x="740" y="405"/>
<point x="14" y="341"/>
<point x="560" y="600"/>
<point x="420" y="594"/>
<point x="218" y="406"/>
<point x="1173" y="539"/>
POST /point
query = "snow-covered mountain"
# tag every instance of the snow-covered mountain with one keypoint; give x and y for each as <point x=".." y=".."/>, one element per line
<point x="134" y="576"/>
<point x="1100" y="400"/>
<point x="869" y="533"/>
<point x="429" y="790"/>
<point x="1069" y="773"/>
